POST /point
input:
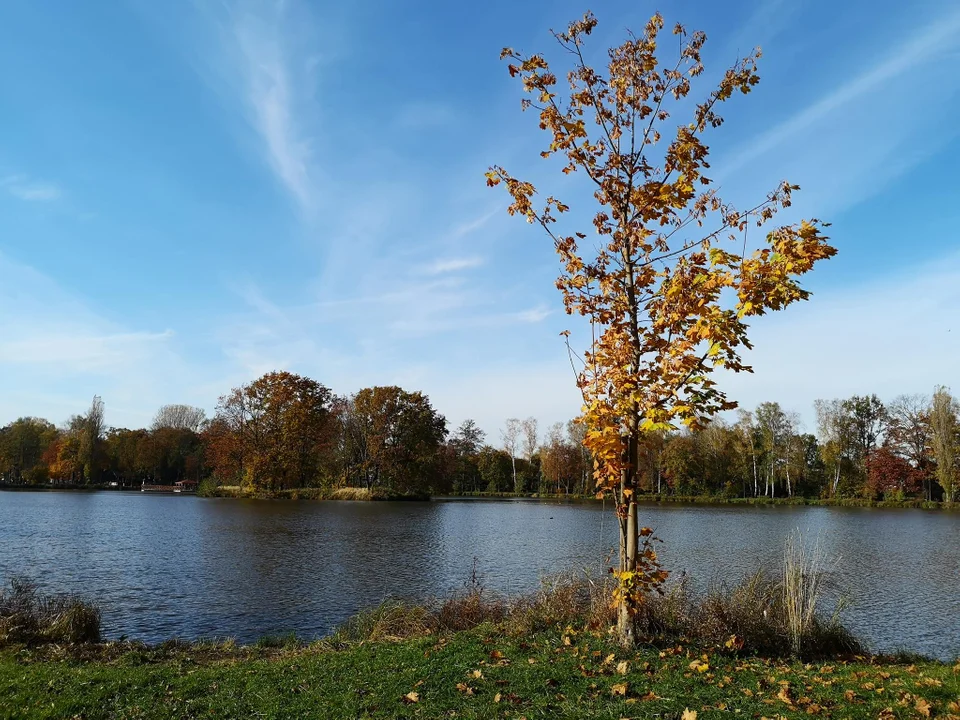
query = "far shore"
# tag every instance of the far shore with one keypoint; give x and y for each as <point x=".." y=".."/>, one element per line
<point x="382" y="495"/>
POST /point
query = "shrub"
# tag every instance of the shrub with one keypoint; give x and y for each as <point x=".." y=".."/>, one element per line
<point x="29" y="617"/>
<point x="766" y="614"/>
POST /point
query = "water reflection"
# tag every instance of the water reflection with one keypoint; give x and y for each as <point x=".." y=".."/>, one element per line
<point x="167" y="566"/>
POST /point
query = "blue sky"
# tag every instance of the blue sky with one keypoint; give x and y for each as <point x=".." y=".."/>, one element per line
<point x="193" y="193"/>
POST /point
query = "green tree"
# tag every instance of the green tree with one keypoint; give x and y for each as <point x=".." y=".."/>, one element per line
<point x="466" y="443"/>
<point x="22" y="447"/>
<point x="945" y="436"/>
<point x="496" y="469"/>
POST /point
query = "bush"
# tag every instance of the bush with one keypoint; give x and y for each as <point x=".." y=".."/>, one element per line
<point x="208" y="487"/>
<point x="764" y="614"/>
<point x="29" y="617"/>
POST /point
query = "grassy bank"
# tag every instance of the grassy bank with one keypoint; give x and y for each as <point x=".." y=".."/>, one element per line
<point x="479" y="673"/>
<point x="347" y="493"/>
<point x="476" y="655"/>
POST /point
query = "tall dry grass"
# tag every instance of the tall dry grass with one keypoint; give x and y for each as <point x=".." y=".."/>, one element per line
<point x="30" y="617"/>
<point x="776" y="614"/>
<point x="803" y="572"/>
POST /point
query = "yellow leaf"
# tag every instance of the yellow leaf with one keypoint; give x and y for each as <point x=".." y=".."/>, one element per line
<point x="496" y="698"/>
<point x="618" y="689"/>
<point x="923" y="707"/>
<point x="477" y="674"/>
<point x="411" y="697"/>
<point x="689" y="714"/>
<point x="622" y="667"/>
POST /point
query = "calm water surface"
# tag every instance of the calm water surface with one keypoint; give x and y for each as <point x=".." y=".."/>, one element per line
<point x="164" y="566"/>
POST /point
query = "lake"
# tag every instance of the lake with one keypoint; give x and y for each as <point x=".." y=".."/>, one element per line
<point x="163" y="565"/>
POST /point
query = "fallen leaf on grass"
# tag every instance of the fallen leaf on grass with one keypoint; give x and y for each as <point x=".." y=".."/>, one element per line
<point x="465" y="689"/>
<point x="411" y="697"/>
<point x="689" y="714"/>
<point x="923" y="707"/>
<point x="618" y="689"/>
<point x="623" y="667"/>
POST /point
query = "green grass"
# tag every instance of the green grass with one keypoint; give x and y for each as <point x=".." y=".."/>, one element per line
<point x="482" y="673"/>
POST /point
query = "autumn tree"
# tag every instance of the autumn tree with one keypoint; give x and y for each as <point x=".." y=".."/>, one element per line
<point x="560" y="461"/>
<point x="22" y="447"/>
<point x="836" y="440"/>
<point x="890" y="474"/>
<point x="866" y="421"/>
<point x="666" y="282"/>
<point x="908" y="433"/>
<point x="529" y="446"/>
<point x="170" y="454"/>
<point x="395" y="438"/>
<point x="80" y="452"/>
<point x="576" y="432"/>
<point x="748" y="442"/>
<point x="945" y="437"/>
<point x="124" y="451"/>
<point x="180" y="417"/>
<point x="510" y="437"/>
<point x="780" y="447"/>
<point x="274" y="433"/>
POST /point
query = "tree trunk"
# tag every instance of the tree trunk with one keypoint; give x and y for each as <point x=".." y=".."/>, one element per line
<point x="629" y="544"/>
<point x="629" y="538"/>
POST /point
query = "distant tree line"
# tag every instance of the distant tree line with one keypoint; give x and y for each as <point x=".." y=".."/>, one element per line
<point x="285" y="431"/>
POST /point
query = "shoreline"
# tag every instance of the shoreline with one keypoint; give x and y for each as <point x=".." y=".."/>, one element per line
<point x="375" y="495"/>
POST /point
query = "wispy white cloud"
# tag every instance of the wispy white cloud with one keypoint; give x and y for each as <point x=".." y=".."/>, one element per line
<point x="56" y="352"/>
<point x="30" y="190"/>
<point x="533" y="315"/>
<point x="926" y="44"/>
<point x="262" y="58"/>
<point x="448" y="265"/>
<point x="469" y="227"/>
<point x="79" y="350"/>
<point x="891" y="335"/>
